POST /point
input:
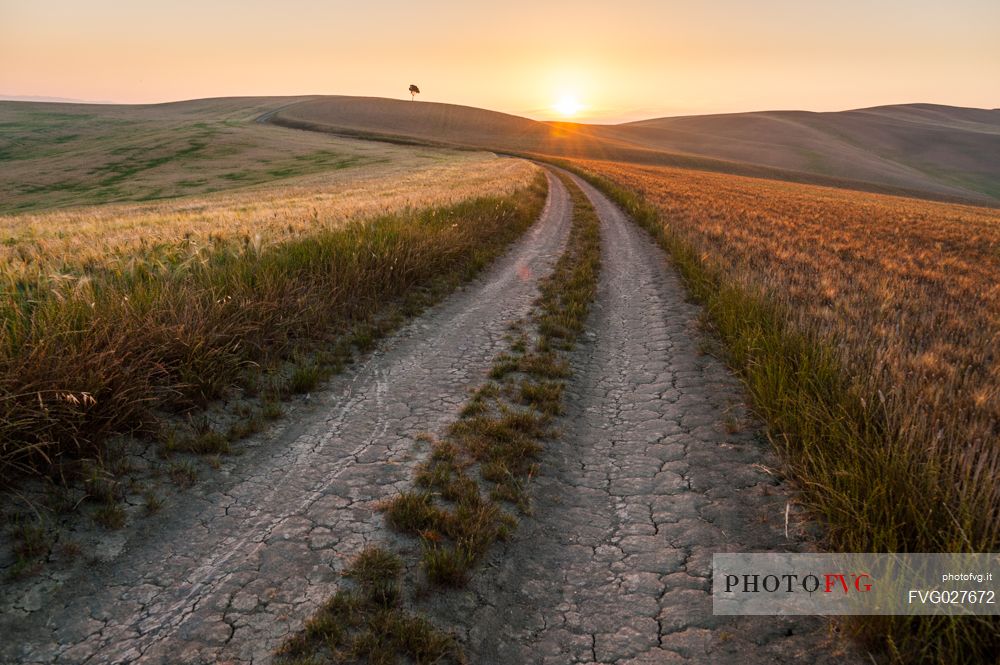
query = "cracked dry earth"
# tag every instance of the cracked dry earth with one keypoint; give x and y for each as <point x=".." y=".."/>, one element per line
<point x="229" y="574"/>
<point x="644" y="485"/>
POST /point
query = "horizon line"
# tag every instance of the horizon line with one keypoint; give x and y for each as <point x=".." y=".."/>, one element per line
<point x="594" y="119"/>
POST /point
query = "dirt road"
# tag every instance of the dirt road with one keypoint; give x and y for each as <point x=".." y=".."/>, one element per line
<point x="647" y="481"/>
<point x="658" y="468"/>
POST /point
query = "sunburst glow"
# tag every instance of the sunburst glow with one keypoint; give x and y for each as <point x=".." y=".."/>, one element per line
<point x="567" y="106"/>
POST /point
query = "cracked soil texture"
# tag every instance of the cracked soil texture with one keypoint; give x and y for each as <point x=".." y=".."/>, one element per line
<point x="245" y="557"/>
<point x="646" y="482"/>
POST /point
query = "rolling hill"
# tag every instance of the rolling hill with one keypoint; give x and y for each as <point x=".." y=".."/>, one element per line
<point x="59" y="155"/>
<point x="938" y="151"/>
<point x="919" y="146"/>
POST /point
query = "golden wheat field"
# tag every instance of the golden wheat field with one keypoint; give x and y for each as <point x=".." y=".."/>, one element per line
<point x="908" y="289"/>
<point x="906" y="292"/>
<point x="66" y="239"/>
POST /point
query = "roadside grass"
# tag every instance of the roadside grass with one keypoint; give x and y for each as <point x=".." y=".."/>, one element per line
<point x="80" y="365"/>
<point x="183" y="474"/>
<point x="137" y="352"/>
<point x="877" y="484"/>
<point x="31" y="542"/>
<point x="110" y="516"/>
<point x="152" y="503"/>
<point x="474" y="481"/>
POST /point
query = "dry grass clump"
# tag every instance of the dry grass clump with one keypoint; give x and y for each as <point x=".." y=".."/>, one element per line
<point x="93" y="354"/>
<point x="366" y="623"/>
<point x="866" y="328"/>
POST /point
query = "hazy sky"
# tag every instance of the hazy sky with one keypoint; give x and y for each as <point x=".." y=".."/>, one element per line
<point x="620" y="60"/>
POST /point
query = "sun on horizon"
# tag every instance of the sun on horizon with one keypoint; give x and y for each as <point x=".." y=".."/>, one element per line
<point x="568" y="106"/>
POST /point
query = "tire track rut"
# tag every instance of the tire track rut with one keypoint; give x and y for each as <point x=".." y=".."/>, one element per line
<point x="647" y="481"/>
<point x="233" y="569"/>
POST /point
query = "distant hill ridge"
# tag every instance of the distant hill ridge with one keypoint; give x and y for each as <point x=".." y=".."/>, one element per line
<point x="923" y="146"/>
<point x="945" y="151"/>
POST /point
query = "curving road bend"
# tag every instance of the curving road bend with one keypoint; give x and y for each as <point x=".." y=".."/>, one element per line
<point x="647" y="481"/>
<point x="228" y="574"/>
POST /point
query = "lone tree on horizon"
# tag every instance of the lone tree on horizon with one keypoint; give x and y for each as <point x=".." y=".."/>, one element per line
<point x="414" y="91"/>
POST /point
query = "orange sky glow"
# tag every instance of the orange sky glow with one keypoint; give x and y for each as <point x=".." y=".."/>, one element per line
<point x="606" y="61"/>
